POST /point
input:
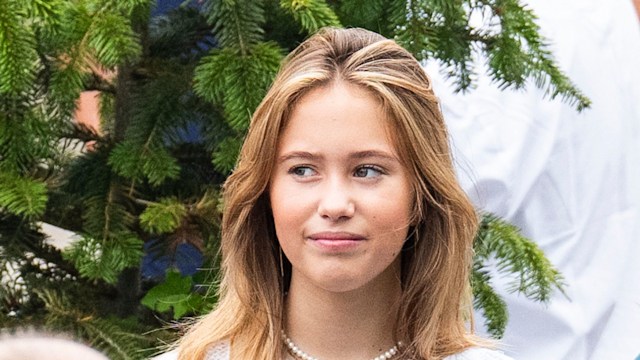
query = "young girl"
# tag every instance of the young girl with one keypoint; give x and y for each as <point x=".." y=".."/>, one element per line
<point x="345" y="233"/>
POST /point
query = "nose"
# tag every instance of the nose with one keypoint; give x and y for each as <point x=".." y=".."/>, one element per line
<point x="336" y="201"/>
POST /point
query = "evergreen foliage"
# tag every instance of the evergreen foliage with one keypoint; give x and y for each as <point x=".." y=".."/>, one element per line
<point x="116" y="338"/>
<point x="162" y="217"/>
<point x="104" y="260"/>
<point x="176" y="94"/>
<point x="22" y="196"/>
<point x="500" y="245"/>
<point x="311" y="14"/>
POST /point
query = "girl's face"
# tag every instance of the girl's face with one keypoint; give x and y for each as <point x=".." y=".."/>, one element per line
<point x="341" y="199"/>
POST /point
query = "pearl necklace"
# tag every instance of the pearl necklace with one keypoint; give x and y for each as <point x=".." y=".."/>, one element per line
<point x="298" y="353"/>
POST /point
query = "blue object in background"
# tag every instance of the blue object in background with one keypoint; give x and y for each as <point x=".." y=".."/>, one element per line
<point x="164" y="6"/>
<point x="187" y="259"/>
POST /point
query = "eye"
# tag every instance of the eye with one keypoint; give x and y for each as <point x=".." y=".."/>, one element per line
<point x="368" y="171"/>
<point x="302" y="171"/>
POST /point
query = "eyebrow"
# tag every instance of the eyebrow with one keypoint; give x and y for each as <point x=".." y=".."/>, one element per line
<point x="356" y="155"/>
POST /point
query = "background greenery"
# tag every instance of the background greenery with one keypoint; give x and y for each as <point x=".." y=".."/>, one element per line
<point x="143" y="194"/>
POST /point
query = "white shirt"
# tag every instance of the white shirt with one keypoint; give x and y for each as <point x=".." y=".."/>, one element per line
<point x="569" y="180"/>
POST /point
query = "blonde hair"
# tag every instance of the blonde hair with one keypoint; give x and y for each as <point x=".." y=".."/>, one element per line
<point x="437" y="256"/>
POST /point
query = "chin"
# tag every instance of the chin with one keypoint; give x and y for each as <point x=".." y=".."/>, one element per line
<point x="340" y="283"/>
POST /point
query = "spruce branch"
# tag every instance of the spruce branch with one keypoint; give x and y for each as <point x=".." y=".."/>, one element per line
<point x="105" y="208"/>
<point x="164" y="216"/>
<point x="106" y="335"/>
<point x="96" y="82"/>
<point x="182" y="33"/>
<point x="237" y="81"/>
<point x="44" y="11"/>
<point x="311" y="14"/>
<point x="225" y="155"/>
<point x="105" y="214"/>
<point x="236" y="23"/>
<point x="536" y="278"/>
<point x="18" y="58"/>
<point x="125" y="7"/>
<point x="510" y="41"/>
<point x="486" y="300"/>
<point x="65" y="85"/>
<point x="368" y="14"/>
<point x="22" y="196"/>
<point x="159" y="165"/>
<point x="144" y="154"/>
<point x="519" y="52"/>
<point x="104" y="260"/>
<point x="19" y="236"/>
<point x="112" y="40"/>
<point x="82" y="132"/>
<point x="25" y="136"/>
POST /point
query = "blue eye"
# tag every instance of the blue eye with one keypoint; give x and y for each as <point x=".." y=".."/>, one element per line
<point x="368" y="171"/>
<point x="302" y="171"/>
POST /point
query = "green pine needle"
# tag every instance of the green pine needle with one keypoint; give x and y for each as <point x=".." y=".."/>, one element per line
<point x="311" y="14"/>
<point x="536" y="278"/>
<point x="104" y="260"/>
<point x="104" y="334"/>
<point x="486" y="300"/>
<point x="113" y="41"/>
<point x="238" y="81"/>
<point x="236" y="23"/>
<point x="163" y="217"/>
<point x="224" y="158"/>
<point x="22" y="196"/>
<point x="18" y="57"/>
<point x="368" y="14"/>
<point x="514" y="255"/>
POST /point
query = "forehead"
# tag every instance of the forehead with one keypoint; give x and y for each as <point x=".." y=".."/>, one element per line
<point x="339" y="113"/>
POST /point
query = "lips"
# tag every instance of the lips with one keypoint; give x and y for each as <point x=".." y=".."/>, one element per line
<point x="336" y="236"/>
<point x="336" y="242"/>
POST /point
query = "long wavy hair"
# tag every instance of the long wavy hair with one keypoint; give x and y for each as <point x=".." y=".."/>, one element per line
<point x="437" y="256"/>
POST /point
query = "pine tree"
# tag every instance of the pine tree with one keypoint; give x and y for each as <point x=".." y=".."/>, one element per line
<point x="173" y="120"/>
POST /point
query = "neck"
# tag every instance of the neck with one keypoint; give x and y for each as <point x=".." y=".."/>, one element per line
<point x="355" y="324"/>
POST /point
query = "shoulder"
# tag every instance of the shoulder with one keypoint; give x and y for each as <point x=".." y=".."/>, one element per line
<point x="479" y="353"/>
<point x="219" y="351"/>
<point x="171" y="355"/>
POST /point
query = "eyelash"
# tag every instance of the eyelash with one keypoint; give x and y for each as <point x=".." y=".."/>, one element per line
<point x="374" y="168"/>
<point x="294" y="170"/>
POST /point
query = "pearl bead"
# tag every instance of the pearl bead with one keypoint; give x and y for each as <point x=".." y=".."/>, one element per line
<point x="298" y="353"/>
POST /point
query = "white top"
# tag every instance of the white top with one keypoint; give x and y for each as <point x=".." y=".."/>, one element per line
<point x="569" y="180"/>
<point x="222" y="350"/>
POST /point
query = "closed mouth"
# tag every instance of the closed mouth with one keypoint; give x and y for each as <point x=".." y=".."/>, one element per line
<point x="336" y="236"/>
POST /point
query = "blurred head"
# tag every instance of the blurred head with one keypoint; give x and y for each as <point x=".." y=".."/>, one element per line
<point x="42" y="347"/>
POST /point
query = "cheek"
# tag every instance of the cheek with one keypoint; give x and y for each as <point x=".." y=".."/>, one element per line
<point x="289" y="209"/>
<point x="395" y="207"/>
<point x="396" y="217"/>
